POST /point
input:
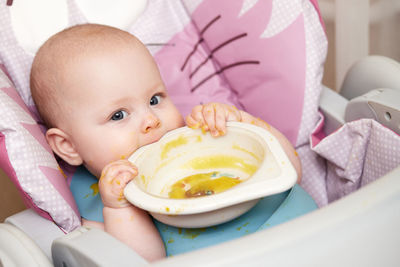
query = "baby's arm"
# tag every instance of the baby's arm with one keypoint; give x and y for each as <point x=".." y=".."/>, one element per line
<point x="213" y="117"/>
<point x="124" y="221"/>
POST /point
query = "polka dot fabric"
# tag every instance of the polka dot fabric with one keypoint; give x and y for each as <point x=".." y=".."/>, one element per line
<point x="313" y="179"/>
<point x="358" y="153"/>
<point x="29" y="162"/>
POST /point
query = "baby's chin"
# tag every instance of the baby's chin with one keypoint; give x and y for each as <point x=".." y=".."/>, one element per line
<point x="93" y="171"/>
<point x="97" y="169"/>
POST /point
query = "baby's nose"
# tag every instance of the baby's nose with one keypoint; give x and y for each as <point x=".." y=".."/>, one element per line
<point x="151" y="122"/>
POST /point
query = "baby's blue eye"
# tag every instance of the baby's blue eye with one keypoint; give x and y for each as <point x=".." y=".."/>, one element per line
<point x="156" y="99"/>
<point x="119" y="115"/>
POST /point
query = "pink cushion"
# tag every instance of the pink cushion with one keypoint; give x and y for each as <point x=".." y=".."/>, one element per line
<point x="27" y="159"/>
<point x="252" y="56"/>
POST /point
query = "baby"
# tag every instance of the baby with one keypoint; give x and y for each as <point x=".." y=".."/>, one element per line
<point x="101" y="96"/>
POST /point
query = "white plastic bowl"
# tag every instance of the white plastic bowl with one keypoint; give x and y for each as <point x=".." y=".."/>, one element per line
<point x="259" y="160"/>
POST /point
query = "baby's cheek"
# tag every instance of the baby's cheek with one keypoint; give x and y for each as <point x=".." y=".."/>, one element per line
<point x="116" y="153"/>
<point x="124" y="149"/>
<point x="174" y="118"/>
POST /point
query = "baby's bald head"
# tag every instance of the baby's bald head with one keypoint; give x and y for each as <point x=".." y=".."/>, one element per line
<point x="62" y="51"/>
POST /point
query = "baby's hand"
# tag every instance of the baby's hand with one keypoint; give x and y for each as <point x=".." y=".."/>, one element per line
<point x="112" y="182"/>
<point x="213" y="117"/>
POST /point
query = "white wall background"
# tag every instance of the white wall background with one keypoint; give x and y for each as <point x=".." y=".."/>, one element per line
<point x="356" y="28"/>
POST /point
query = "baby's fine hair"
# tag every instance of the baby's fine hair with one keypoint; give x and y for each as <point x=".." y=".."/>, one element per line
<point x="54" y="55"/>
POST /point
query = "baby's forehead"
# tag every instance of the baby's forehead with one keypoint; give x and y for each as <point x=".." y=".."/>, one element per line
<point x="82" y="40"/>
<point x="73" y="46"/>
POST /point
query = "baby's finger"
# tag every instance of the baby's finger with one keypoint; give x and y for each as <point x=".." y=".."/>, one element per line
<point x="192" y="123"/>
<point x="125" y="178"/>
<point x="209" y="118"/>
<point x="119" y="184"/>
<point x="114" y="169"/>
<point x="233" y="114"/>
<point x="196" y="116"/>
<point x="220" y="119"/>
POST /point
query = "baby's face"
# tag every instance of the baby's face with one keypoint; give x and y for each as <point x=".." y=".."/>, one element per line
<point x="116" y="102"/>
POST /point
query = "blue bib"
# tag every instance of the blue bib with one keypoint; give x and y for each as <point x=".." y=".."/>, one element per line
<point x="269" y="211"/>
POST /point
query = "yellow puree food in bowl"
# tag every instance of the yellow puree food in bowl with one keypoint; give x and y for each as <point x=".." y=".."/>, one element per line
<point x="202" y="184"/>
<point x="209" y="183"/>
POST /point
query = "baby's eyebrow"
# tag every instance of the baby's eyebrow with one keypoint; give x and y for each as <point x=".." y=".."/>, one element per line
<point x="120" y="101"/>
<point x="157" y="87"/>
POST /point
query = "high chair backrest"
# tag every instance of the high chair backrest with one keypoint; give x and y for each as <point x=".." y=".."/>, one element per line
<point x="265" y="57"/>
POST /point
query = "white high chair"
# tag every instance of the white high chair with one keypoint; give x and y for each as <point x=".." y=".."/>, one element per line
<point x="361" y="228"/>
<point x="358" y="230"/>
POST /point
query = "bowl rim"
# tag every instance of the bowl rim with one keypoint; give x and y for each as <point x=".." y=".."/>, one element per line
<point x="241" y="193"/>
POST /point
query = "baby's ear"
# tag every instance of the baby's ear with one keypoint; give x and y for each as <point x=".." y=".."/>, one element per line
<point x="62" y="145"/>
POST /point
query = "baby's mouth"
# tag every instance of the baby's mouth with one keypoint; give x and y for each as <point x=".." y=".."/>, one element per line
<point x="156" y="136"/>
